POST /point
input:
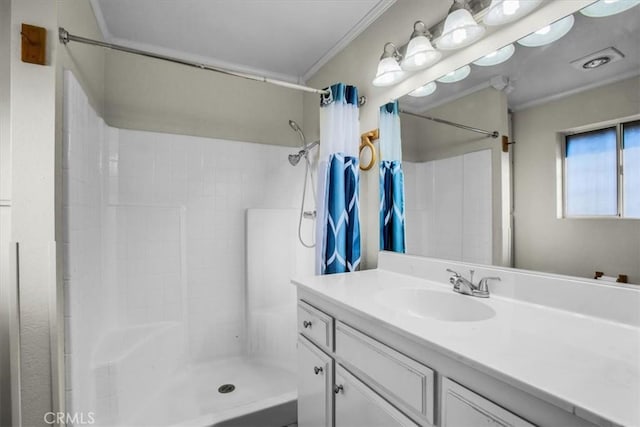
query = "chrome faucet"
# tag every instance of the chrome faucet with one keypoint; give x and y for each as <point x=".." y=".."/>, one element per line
<point x="466" y="287"/>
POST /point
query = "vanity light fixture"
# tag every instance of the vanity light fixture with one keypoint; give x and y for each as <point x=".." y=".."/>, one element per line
<point x="460" y="28"/>
<point x="497" y="57"/>
<point x="604" y="8"/>
<point x="548" y="34"/>
<point x="455" y="76"/>
<point x="425" y="90"/>
<point x="504" y="11"/>
<point x="389" y="71"/>
<point x="420" y="53"/>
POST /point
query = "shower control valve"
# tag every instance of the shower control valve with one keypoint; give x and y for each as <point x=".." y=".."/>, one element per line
<point x="306" y="324"/>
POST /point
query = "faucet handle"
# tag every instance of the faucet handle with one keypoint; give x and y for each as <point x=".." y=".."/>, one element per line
<point x="455" y="273"/>
<point x="483" y="285"/>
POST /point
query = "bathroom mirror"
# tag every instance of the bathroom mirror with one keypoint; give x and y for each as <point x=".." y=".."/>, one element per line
<point x="467" y="200"/>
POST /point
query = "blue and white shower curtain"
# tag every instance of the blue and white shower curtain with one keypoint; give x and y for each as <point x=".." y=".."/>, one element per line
<point x="338" y="222"/>
<point x="392" y="231"/>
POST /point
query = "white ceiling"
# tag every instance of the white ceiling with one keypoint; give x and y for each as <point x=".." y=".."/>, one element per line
<point x="287" y="39"/>
<point x="544" y="73"/>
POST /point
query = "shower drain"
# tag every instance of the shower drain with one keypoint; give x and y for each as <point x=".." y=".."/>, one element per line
<point x="226" y="388"/>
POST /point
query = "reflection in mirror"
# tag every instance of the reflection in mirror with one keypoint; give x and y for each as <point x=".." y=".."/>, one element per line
<point x="467" y="200"/>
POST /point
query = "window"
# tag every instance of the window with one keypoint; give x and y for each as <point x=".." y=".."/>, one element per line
<point x="631" y="169"/>
<point x="602" y="172"/>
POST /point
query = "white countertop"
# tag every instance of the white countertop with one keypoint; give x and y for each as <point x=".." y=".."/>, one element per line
<point x="585" y="365"/>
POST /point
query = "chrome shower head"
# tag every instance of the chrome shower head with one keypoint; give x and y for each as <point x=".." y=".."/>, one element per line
<point x="294" y="159"/>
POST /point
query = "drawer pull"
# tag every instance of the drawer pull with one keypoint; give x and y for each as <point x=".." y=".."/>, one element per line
<point x="306" y="324"/>
<point x="338" y="389"/>
<point x="317" y="369"/>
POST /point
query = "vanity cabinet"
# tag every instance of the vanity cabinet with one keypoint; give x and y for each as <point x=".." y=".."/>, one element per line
<point x="352" y="374"/>
<point x="462" y="407"/>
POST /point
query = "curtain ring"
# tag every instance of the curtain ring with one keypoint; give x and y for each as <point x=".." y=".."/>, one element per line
<point x="365" y="142"/>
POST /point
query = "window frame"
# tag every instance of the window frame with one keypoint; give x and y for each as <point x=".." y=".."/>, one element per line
<point x="618" y="125"/>
<point x="634" y="121"/>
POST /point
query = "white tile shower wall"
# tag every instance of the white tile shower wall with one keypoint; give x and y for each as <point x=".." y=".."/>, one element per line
<point x="214" y="182"/>
<point x="87" y="302"/>
<point x="271" y="299"/>
<point x="455" y="194"/>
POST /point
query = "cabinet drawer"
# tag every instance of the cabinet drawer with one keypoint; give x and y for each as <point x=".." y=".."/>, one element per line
<point x="462" y="407"/>
<point x="405" y="382"/>
<point x="315" y="325"/>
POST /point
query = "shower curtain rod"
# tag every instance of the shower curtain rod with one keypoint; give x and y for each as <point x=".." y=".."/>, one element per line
<point x="493" y="134"/>
<point x="65" y="37"/>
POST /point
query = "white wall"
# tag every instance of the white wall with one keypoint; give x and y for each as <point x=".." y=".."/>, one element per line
<point x="568" y="246"/>
<point x="33" y="164"/>
<point x="5" y="213"/>
<point x="153" y="95"/>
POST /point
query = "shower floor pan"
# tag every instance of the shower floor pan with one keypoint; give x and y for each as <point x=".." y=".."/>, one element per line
<point x="264" y="396"/>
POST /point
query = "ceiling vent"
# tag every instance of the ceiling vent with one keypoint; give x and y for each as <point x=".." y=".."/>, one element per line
<point x="598" y="59"/>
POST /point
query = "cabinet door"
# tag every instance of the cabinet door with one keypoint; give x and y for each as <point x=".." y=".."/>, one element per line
<point x="356" y="405"/>
<point x="315" y="380"/>
<point x="463" y="408"/>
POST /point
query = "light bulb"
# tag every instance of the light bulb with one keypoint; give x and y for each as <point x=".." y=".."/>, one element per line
<point x="425" y="90"/>
<point x="604" y="8"/>
<point x="496" y="57"/>
<point x="544" y="30"/>
<point x="420" y="59"/>
<point x="456" y="75"/>
<point x="420" y="53"/>
<point x="510" y="7"/>
<point x="502" y="12"/>
<point x="460" y="30"/>
<point x="459" y="35"/>
<point x="549" y="33"/>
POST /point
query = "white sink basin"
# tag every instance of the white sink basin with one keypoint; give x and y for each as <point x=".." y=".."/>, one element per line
<point x="447" y="306"/>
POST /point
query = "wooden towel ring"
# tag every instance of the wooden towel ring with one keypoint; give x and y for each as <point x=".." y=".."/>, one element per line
<point x="365" y="142"/>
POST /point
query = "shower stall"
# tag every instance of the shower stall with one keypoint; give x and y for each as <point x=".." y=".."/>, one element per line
<point x="177" y="258"/>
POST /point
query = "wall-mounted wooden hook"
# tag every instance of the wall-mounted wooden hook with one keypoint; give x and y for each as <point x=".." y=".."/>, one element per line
<point x="506" y="143"/>
<point x="34" y="44"/>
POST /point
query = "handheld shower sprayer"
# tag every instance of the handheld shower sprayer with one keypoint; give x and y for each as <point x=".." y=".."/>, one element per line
<point x="294" y="159"/>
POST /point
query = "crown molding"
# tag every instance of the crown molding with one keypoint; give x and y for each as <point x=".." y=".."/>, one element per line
<point x="102" y="24"/>
<point x="556" y="96"/>
<point x="355" y="31"/>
